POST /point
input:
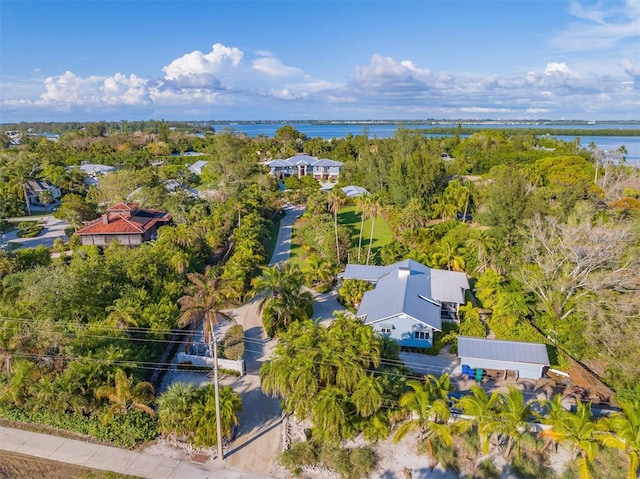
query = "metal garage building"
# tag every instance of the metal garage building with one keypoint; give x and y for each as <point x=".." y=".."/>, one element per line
<point x="528" y="359"/>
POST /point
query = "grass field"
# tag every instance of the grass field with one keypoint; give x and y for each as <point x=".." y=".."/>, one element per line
<point x="19" y="466"/>
<point x="349" y="218"/>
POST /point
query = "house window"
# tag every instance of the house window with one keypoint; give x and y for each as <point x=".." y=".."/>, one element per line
<point x="385" y="329"/>
<point x="422" y="335"/>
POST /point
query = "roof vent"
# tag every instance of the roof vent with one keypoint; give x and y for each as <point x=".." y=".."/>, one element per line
<point x="403" y="272"/>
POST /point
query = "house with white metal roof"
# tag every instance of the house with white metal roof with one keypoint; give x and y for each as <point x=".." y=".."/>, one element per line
<point x="528" y="359"/>
<point x="303" y="165"/>
<point x="197" y="167"/>
<point x="409" y="300"/>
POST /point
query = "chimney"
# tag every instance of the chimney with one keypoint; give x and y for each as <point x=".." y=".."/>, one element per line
<point x="403" y="272"/>
<point x="105" y="219"/>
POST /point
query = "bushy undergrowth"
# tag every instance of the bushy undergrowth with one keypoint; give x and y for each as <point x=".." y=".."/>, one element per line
<point x="349" y="463"/>
<point x="125" y="430"/>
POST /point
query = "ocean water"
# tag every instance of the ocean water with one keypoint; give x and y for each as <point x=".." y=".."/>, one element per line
<point x="328" y="131"/>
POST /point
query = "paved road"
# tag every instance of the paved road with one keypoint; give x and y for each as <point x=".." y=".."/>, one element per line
<point x="53" y="229"/>
<point x="108" y="458"/>
<point x="282" y="250"/>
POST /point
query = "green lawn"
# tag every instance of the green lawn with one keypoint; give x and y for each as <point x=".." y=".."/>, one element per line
<point x="381" y="231"/>
<point x="349" y="218"/>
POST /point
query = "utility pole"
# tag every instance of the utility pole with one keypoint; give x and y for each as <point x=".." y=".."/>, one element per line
<point x="214" y="351"/>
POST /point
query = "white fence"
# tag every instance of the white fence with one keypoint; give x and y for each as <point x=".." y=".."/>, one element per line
<point x="206" y="361"/>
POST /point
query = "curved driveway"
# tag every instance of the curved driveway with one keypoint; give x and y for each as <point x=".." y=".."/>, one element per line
<point x="53" y="229"/>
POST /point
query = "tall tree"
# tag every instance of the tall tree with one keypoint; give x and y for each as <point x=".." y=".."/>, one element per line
<point x="374" y="209"/>
<point x="428" y="415"/>
<point x="336" y="201"/>
<point x="362" y="206"/>
<point x="484" y="410"/>
<point x="576" y="429"/>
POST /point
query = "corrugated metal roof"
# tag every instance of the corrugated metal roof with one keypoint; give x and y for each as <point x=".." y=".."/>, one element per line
<point x="401" y="291"/>
<point x="501" y="350"/>
<point x="407" y="287"/>
<point x="448" y="286"/>
<point x="366" y="273"/>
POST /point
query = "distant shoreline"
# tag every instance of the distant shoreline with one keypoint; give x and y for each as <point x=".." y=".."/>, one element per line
<point x="424" y="122"/>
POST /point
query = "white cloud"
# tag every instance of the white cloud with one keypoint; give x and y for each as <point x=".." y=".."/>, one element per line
<point x="69" y="88"/>
<point x="556" y="67"/>
<point x="226" y="80"/>
<point x="120" y="89"/>
<point x="269" y="65"/>
<point x="196" y="69"/>
<point x="596" y="28"/>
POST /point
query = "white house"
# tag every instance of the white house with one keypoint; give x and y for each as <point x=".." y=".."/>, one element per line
<point x="302" y="164"/>
<point x="197" y="167"/>
<point x="409" y="301"/>
<point x="35" y="187"/>
<point x="93" y="172"/>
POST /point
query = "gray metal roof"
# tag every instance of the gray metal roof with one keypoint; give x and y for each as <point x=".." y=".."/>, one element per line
<point x="353" y="191"/>
<point x="303" y="160"/>
<point x="448" y="286"/>
<point x="326" y="162"/>
<point x="501" y="350"/>
<point x="401" y="291"/>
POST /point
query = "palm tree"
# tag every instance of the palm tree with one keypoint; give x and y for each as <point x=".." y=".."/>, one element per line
<point x="330" y="414"/>
<point x="203" y="415"/>
<point x="513" y="414"/>
<point x="317" y="270"/>
<point x="374" y="205"/>
<point x="336" y="200"/>
<point x="429" y="416"/>
<point x="282" y="297"/>
<point x="203" y="300"/>
<point x="362" y="205"/>
<point x="44" y="393"/>
<point x="440" y="386"/>
<point x="448" y="255"/>
<point x="443" y="208"/>
<point x="485" y="246"/>
<point x="122" y="314"/>
<point x="483" y="408"/>
<point x="174" y="409"/>
<point x="623" y="432"/>
<point x="577" y="429"/>
<point x="367" y="396"/>
<point x="124" y="395"/>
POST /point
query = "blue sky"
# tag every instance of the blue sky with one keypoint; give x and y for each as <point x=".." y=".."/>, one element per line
<point x="90" y="60"/>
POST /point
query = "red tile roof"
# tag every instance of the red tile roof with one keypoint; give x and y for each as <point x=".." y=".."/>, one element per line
<point x="140" y="222"/>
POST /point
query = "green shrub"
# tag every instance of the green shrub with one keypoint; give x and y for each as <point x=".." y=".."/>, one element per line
<point x="300" y="454"/>
<point x="125" y="430"/>
<point x="25" y="225"/>
<point x="348" y="463"/>
<point x="30" y="232"/>
<point x="233" y="342"/>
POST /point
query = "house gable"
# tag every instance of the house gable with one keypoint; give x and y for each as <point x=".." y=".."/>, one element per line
<point x="126" y="223"/>
<point x="404" y="297"/>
